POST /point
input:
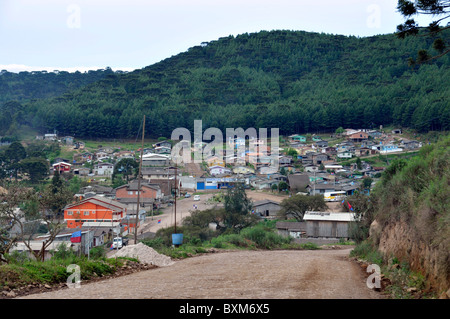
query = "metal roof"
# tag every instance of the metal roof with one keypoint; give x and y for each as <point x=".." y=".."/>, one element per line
<point x="329" y="216"/>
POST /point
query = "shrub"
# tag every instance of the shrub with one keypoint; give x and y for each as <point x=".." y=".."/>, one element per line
<point x="97" y="252"/>
<point x="62" y="252"/>
<point x="17" y="257"/>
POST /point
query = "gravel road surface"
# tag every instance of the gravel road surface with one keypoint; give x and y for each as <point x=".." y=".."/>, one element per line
<point x="318" y="274"/>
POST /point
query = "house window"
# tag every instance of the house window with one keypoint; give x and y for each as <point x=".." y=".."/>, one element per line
<point x="86" y="213"/>
<point x="69" y="212"/>
<point x="130" y="193"/>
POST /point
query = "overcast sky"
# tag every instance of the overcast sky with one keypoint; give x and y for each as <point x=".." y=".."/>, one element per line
<point x="127" y="35"/>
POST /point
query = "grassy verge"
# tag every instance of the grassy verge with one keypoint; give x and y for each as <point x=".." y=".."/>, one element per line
<point x="21" y="271"/>
<point x="403" y="282"/>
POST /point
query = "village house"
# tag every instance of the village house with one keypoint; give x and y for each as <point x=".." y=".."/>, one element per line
<point x="79" y="145"/>
<point x="367" y="143"/>
<point x="83" y="157"/>
<point x="263" y="183"/>
<point x="328" y="224"/>
<point x="61" y="159"/>
<point x="106" y="149"/>
<point x="298" y="183"/>
<point x="411" y="145"/>
<point x="322" y="188"/>
<point x="86" y="242"/>
<point x="103" y="169"/>
<point x="358" y="136"/>
<point x="159" y="173"/>
<point x="62" y="167"/>
<point x="321" y="144"/>
<point x="365" y="151"/>
<point x="331" y="151"/>
<point x="162" y="150"/>
<point x="387" y="148"/>
<point x="243" y="170"/>
<point x="157" y="160"/>
<point x="292" y="229"/>
<point x="374" y="134"/>
<point x="94" y="190"/>
<point x="319" y="158"/>
<point x="285" y="160"/>
<point x="68" y="140"/>
<point x="214" y="161"/>
<point x="277" y="177"/>
<point x="36" y="246"/>
<point x="50" y="137"/>
<point x="266" y="208"/>
<point x="97" y="209"/>
<point x="165" y="185"/>
<point x="149" y="193"/>
<point x="218" y="170"/>
<point x="344" y="154"/>
<point x="163" y="144"/>
<point x="101" y="156"/>
<point x="310" y="168"/>
<point x="124" y="154"/>
<point x="297" y="138"/>
<point x="82" y="171"/>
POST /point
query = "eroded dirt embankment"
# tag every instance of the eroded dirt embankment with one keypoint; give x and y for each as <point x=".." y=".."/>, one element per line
<point x="405" y="243"/>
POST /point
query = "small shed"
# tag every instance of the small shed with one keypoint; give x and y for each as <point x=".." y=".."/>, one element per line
<point x="328" y="224"/>
<point x="266" y="208"/>
<point x="293" y="229"/>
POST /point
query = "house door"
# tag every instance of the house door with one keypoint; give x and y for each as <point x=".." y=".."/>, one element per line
<point x="267" y="212"/>
<point x="316" y="228"/>
<point x="334" y="229"/>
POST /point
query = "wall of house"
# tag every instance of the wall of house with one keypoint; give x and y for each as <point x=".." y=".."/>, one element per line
<point x="146" y="192"/>
<point x="95" y="212"/>
<point x="327" y="229"/>
<point x="272" y="208"/>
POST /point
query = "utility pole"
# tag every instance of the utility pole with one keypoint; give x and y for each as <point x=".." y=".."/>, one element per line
<point x="175" y="206"/>
<point x="139" y="185"/>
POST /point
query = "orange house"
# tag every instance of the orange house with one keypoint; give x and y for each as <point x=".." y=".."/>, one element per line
<point x="94" y="209"/>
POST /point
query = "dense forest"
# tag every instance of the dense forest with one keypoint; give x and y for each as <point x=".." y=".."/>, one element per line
<point x="294" y="80"/>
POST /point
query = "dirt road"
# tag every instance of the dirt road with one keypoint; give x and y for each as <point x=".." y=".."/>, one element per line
<point x="184" y="208"/>
<point x="318" y="274"/>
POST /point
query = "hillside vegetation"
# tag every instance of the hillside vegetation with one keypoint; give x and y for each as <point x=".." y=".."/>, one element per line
<point x="296" y="81"/>
<point x="22" y="87"/>
<point x="411" y="212"/>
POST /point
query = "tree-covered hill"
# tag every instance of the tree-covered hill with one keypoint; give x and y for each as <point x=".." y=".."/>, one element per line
<point x="24" y="86"/>
<point x="296" y="81"/>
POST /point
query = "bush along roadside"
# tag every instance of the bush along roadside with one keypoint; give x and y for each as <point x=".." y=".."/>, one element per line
<point x="23" y="276"/>
<point x="261" y="236"/>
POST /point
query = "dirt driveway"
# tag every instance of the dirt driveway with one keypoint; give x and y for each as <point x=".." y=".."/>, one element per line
<point x="318" y="274"/>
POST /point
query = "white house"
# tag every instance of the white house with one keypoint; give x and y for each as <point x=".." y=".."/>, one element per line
<point x="344" y="154"/>
<point x="218" y="170"/>
<point x="152" y="159"/>
<point x="387" y="148"/>
<point x="104" y="169"/>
